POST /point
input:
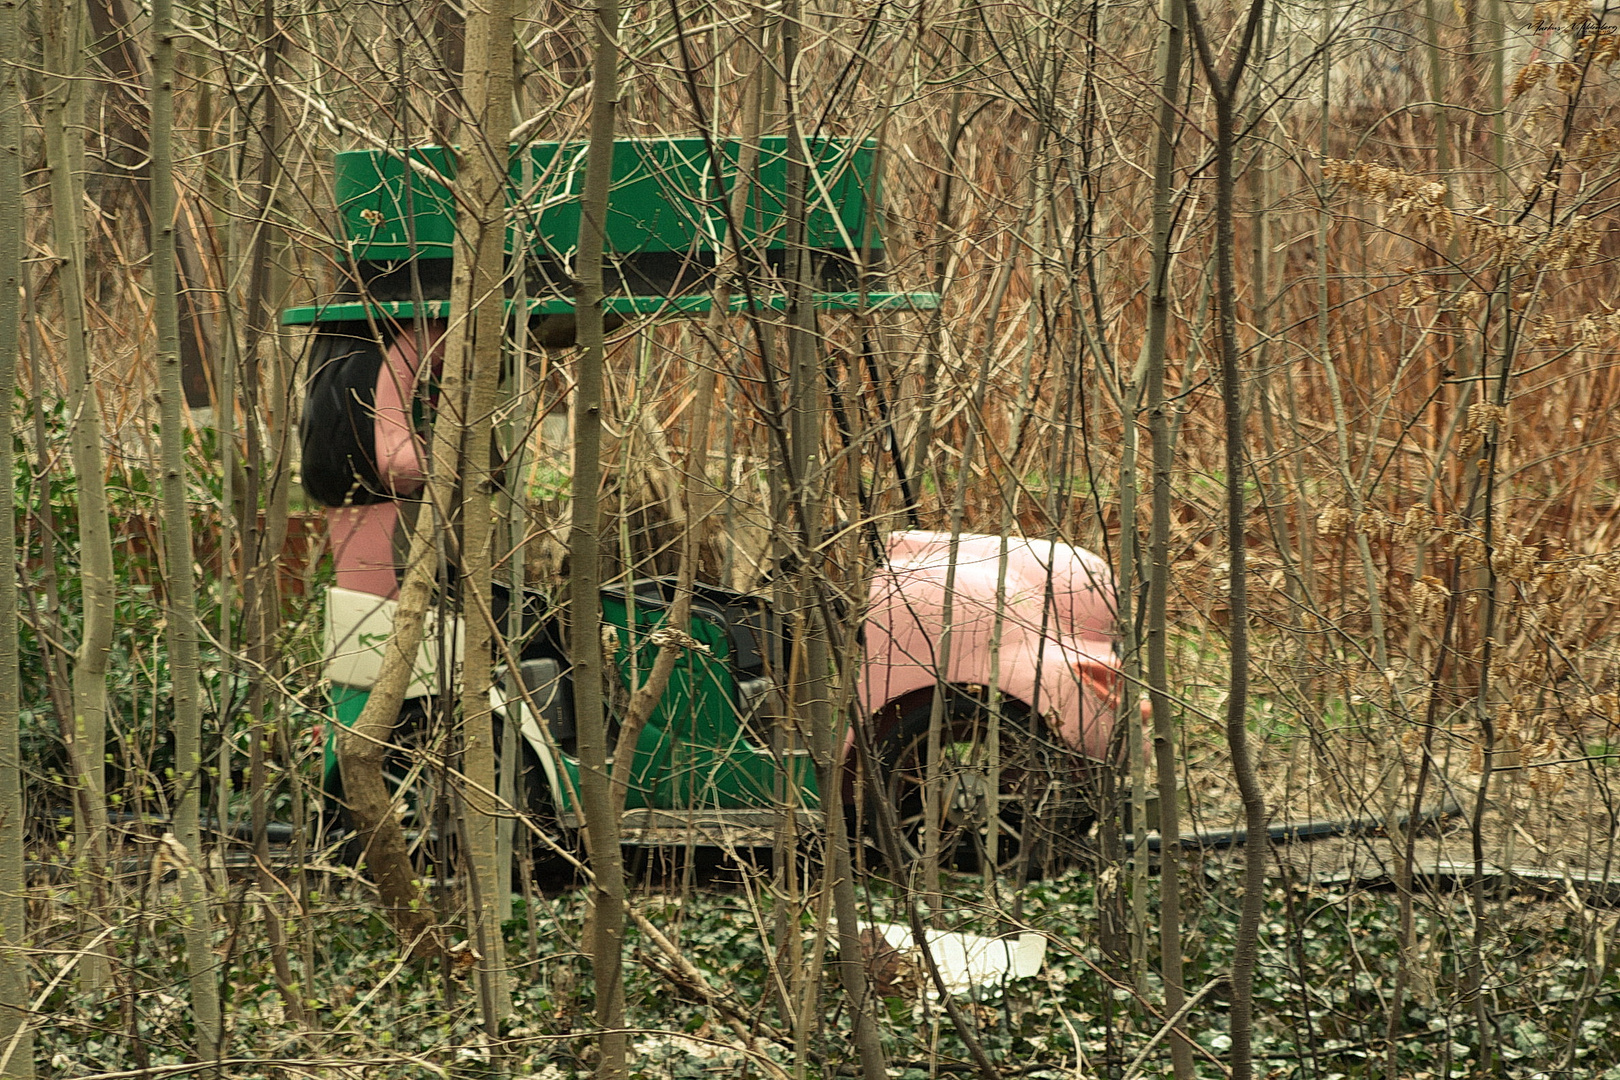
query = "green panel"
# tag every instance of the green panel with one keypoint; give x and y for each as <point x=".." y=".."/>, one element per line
<point x="378" y="209"/>
<point x="346" y="705"/>
<point x="664" y="198"/>
<point x="694" y="752"/>
<point x="696" y="304"/>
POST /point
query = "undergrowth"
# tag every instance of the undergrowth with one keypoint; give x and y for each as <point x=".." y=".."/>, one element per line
<point x="1329" y="959"/>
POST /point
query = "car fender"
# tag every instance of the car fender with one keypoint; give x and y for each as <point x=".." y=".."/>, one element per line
<point x="1056" y="648"/>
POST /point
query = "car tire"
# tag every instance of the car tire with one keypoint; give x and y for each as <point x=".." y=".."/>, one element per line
<point x="1043" y="796"/>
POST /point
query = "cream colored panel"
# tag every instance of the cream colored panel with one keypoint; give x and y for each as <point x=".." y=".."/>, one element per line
<point x="357" y="629"/>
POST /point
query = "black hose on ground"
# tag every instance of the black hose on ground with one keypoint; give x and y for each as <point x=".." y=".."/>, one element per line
<point x="1298" y="831"/>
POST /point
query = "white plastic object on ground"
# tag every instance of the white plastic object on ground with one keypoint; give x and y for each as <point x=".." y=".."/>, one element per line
<point x="969" y="960"/>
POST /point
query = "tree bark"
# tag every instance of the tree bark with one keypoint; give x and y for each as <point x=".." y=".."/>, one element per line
<point x="266" y="485"/>
<point x="585" y="610"/>
<point x="180" y="590"/>
<point x="85" y="733"/>
<point x="480" y="259"/>
<point x="16" y="1034"/>
<point x="1245" y="950"/>
<point x="1171" y="43"/>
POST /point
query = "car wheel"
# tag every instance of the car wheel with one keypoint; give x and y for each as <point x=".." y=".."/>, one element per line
<point x="1040" y="789"/>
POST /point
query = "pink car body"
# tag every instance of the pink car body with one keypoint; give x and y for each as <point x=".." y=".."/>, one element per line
<point x="1056" y="623"/>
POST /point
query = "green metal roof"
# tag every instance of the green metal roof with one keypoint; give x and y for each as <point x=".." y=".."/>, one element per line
<point x="696" y="304"/>
<point x="665" y="197"/>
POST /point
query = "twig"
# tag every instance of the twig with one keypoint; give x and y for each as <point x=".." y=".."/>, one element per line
<point x="1134" y="1068"/>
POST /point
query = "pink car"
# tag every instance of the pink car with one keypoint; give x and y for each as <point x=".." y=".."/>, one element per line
<point x="1035" y="620"/>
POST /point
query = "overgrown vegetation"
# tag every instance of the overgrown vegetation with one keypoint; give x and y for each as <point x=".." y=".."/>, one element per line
<point x="1328" y="963"/>
<point x="1418" y="351"/>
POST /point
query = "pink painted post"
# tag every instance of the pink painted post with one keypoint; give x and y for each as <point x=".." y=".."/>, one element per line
<point x="363" y="536"/>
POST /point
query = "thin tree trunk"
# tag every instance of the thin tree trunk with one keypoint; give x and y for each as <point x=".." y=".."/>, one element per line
<point x="85" y="734"/>
<point x="585" y="614"/>
<point x="230" y="520"/>
<point x="817" y="693"/>
<point x="480" y="258"/>
<point x="1130" y="554"/>
<point x="49" y="615"/>
<point x="521" y="397"/>
<point x="16" y="1033"/>
<point x="267" y="479"/>
<point x="1475" y="974"/>
<point x="476" y="289"/>
<point x="363" y="747"/>
<point x="944" y="265"/>
<point x="1156" y="630"/>
<point x="180" y="588"/>
<point x="1245" y="950"/>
